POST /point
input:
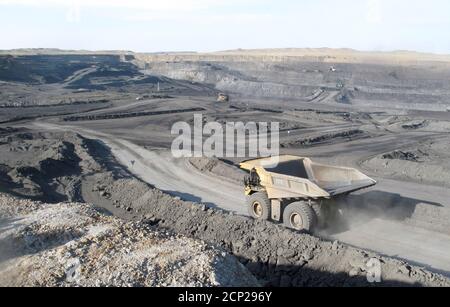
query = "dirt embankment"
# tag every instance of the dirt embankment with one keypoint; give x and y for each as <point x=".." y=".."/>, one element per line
<point x="341" y="136"/>
<point x="428" y="162"/>
<point x="218" y="168"/>
<point x="278" y="256"/>
<point x="45" y="166"/>
<point x="60" y="167"/>
<point x="73" y="245"/>
<point x="35" y="166"/>
<point x="130" y="115"/>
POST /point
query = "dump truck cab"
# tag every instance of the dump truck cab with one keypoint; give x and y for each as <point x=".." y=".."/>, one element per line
<point x="297" y="191"/>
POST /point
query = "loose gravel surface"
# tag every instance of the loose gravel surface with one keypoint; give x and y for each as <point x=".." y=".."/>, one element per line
<point x="70" y="244"/>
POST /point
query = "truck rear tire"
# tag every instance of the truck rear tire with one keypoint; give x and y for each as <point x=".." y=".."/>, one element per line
<point x="299" y="216"/>
<point x="259" y="206"/>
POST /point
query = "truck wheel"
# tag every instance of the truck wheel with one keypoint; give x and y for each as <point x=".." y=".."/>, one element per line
<point x="259" y="206"/>
<point x="299" y="216"/>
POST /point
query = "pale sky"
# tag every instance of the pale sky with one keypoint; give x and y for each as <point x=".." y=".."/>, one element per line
<point x="211" y="25"/>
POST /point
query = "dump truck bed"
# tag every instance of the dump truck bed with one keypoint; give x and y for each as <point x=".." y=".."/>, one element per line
<point x="291" y="176"/>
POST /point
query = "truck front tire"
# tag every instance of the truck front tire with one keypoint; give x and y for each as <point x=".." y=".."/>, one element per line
<point x="259" y="206"/>
<point x="299" y="216"/>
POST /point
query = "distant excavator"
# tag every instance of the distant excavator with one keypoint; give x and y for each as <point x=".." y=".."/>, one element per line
<point x="298" y="192"/>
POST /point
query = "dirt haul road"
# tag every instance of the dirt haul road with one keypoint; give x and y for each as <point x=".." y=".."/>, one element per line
<point x="174" y="176"/>
<point x="178" y="177"/>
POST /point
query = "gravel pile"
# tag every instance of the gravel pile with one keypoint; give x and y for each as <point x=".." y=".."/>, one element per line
<point x="71" y="244"/>
<point x="401" y="155"/>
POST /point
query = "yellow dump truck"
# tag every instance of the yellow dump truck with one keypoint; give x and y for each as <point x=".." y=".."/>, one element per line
<point x="296" y="191"/>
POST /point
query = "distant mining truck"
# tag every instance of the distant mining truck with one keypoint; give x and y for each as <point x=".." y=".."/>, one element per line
<point x="221" y="97"/>
<point x="297" y="192"/>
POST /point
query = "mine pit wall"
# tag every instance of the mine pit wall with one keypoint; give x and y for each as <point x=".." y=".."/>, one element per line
<point x="276" y="255"/>
<point x="306" y="78"/>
